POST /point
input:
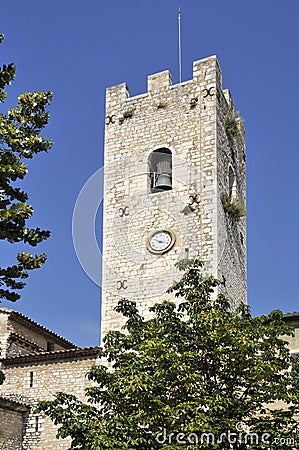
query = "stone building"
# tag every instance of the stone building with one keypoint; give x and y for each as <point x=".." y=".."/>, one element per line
<point x="175" y="185"/>
<point x="171" y="162"/>
<point x="37" y="363"/>
<point x="169" y="159"/>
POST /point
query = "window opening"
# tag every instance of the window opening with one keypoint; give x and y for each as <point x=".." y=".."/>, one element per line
<point x="232" y="183"/>
<point x="50" y="347"/>
<point x="31" y="379"/>
<point x="160" y="170"/>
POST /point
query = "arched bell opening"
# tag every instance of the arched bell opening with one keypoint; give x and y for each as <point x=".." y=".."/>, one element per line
<point x="160" y="170"/>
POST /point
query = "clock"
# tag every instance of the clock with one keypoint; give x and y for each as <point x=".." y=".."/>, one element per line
<point x="160" y="242"/>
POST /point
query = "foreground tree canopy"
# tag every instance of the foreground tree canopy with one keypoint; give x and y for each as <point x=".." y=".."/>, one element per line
<point x="20" y="139"/>
<point x="196" y="374"/>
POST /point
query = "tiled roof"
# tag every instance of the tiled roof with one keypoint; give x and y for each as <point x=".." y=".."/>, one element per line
<point x="13" y="405"/>
<point x="41" y="329"/>
<point x="74" y="353"/>
<point x="291" y="315"/>
<point x="18" y="337"/>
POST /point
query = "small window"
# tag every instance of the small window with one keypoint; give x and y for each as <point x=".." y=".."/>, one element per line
<point x="31" y="379"/>
<point x="160" y="170"/>
<point x="50" y="347"/>
<point x="36" y="423"/>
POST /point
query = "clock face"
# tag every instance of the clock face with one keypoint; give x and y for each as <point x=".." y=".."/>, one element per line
<point x="160" y="241"/>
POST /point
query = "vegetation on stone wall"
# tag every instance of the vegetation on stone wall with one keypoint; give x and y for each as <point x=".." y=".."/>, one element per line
<point x="195" y="372"/>
<point x="234" y="123"/>
<point x="233" y="207"/>
<point x="20" y="140"/>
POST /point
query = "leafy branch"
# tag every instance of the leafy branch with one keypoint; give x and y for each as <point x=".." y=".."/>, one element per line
<point x="20" y="140"/>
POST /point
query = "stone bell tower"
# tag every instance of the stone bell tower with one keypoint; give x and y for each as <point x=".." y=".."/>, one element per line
<point x="175" y="187"/>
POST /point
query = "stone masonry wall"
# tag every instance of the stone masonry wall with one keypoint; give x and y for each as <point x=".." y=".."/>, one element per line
<point x="47" y="378"/>
<point x="11" y="429"/>
<point x="186" y="119"/>
<point x="34" y="335"/>
<point x="231" y="232"/>
<point x="293" y="340"/>
<point x="4" y="334"/>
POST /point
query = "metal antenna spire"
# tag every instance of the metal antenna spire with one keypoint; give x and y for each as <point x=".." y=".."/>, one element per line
<point x="180" y="46"/>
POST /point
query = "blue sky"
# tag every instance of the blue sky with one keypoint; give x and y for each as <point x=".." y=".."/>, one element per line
<point x="77" y="49"/>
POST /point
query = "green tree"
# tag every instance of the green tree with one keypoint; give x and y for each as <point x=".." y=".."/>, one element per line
<point x="20" y="140"/>
<point x="195" y="371"/>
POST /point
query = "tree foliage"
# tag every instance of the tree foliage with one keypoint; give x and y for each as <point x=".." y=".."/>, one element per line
<point x="20" y="140"/>
<point x="197" y="371"/>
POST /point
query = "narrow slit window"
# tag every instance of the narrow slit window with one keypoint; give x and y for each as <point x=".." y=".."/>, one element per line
<point x="31" y="379"/>
<point x="232" y="187"/>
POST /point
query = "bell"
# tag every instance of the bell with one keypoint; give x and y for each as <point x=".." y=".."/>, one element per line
<point x="164" y="182"/>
